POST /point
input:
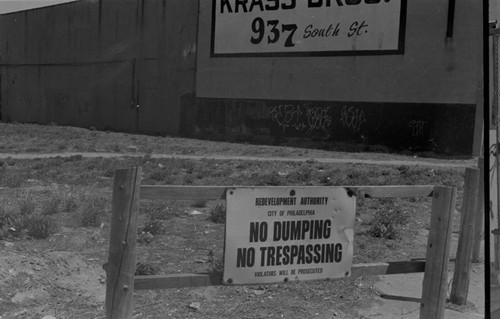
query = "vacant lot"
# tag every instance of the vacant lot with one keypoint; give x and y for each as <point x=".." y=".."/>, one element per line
<point x="56" y="214"/>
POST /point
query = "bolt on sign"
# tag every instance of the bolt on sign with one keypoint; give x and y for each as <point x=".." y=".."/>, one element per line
<point x="276" y="234"/>
<point x="307" y="27"/>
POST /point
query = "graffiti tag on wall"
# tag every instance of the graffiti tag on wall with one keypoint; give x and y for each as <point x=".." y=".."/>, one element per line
<point x="417" y="127"/>
<point x="287" y="116"/>
<point x="290" y="116"/>
<point x="352" y="117"/>
<point x="318" y="119"/>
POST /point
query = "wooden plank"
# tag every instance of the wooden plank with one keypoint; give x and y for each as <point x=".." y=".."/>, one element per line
<point x="495" y="301"/>
<point x="120" y="267"/>
<point x="438" y="251"/>
<point x="463" y="263"/>
<point x="479" y="216"/>
<point x="177" y="281"/>
<point x="401" y="298"/>
<point x="387" y="268"/>
<point x="215" y="279"/>
<point x="176" y="192"/>
<point x="396" y="191"/>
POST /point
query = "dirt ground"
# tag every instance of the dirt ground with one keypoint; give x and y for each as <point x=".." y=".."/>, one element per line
<point x="62" y="276"/>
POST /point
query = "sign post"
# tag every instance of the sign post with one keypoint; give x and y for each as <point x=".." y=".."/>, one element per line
<point x="288" y="233"/>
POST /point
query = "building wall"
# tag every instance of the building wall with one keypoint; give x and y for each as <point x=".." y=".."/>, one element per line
<point x="119" y="65"/>
<point x="432" y="69"/>
<point x="385" y="95"/>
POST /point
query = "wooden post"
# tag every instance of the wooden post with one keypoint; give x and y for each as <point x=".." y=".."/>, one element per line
<point x="463" y="260"/>
<point x="479" y="213"/>
<point x="120" y="268"/>
<point x="437" y="255"/>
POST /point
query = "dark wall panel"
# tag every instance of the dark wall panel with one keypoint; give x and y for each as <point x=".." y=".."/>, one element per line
<point x="91" y="63"/>
<point x="442" y="128"/>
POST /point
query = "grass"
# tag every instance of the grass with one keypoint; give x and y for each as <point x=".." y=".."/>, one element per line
<point x="199" y="203"/>
<point x="26" y="204"/>
<point x="93" y="211"/>
<point x="40" y="227"/>
<point x="18" y="138"/>
<point x="218" y="214"/>
<point x="52" y="206"/>
<point x="388" y="223"/>
<point x="160" y="210"/>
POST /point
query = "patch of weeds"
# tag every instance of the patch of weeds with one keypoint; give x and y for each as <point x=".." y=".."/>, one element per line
<point x="199" y="203"/>
<point x="93" y="211"/>
<point x="36" y="226"/>
<point x="157" y="210"/>
<point x="333" y="176"/>
<point x="160" y="174"/>
<point x="144" y="269"/>
<point x="387" y="223"/>
<point x="216" y="261"/>
<point x="189" y="166"/>
<point x="12" y="179"/>
<point x="10" y="161"/>
<point x="40" y="227"/>
<point x="70" y="205"/>
<point x="302" y="173"/>
<point x="52" y="205"/>
<point x="144" y="237"/>
<point x="11" y="224"/>
<point x="188" y="179"/>
<point x="356" y="177"/>
<point x="218" y="214"/>
<point x="326" y="180"/>
<point x="154" y="227"/>
<point x="149" y="230"/>
<point x="26" y="204"/>
<point x="271" y="178"/>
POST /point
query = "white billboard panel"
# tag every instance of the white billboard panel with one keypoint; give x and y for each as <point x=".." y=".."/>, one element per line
<point x="307" y="27"/>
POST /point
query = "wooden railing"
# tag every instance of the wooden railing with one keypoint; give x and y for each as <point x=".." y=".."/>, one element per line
<point x="127" y="192"/>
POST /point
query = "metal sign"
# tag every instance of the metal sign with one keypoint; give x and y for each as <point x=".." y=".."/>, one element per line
<point x="307" y="27"/>
<point x="284" y="234"/>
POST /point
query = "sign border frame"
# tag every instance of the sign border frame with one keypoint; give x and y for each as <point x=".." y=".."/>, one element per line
<point x="399" y="51"/>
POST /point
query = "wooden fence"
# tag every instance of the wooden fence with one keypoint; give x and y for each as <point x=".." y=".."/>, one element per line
<point x="128" y="191"/>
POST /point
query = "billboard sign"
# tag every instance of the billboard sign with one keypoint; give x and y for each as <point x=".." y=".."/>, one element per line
<point x="307" y="27"/>
<point x="288" y="233"/>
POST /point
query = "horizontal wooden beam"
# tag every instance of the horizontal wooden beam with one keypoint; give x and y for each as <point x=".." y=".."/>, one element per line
<point x="215" y="279"/>
<point x="171" y="192"/>
<point x="401" y="298"/>
<point x="395" y="191"/>
<point x="177" y="281"/>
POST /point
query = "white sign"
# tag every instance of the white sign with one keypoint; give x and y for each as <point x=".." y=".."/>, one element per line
<point x="284" y="234"/>
<point x="307" y="27"/>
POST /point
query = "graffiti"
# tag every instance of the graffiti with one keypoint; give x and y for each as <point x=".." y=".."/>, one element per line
<point x="352" y="117"/>
<point x="288" y="116"/>
<point x="318" y="119"/>
<point x="417" y="127"/>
